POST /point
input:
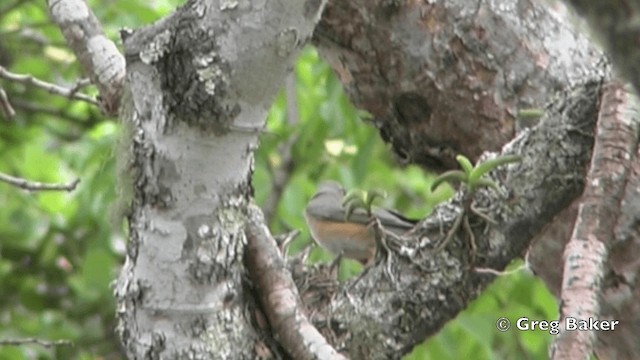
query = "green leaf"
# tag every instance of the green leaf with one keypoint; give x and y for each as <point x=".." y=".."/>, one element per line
<point x="355" y="195"/>
<point x="486" y="166"/>
<point x="374" y="194"/>
<point x="354" y="199"/>
<point x="448" y="176"/>
<point x="465" y="164"/>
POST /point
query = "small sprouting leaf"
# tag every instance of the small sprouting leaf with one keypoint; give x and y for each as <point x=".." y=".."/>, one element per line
<point x="354" y="195"/>
<point x="350" y="207"/>
<point x="486" y="166"/>
<point x="354" y="199"/>
<point x="372" y="195"/>
<point x="451" y="175"/>
<point x="465" y="164"/>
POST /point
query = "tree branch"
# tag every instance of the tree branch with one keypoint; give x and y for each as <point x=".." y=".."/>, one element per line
<point x="201" y="82"/>
<point x="38" y="186"/>
<point x="27" y="341"/>
<point x="587" y="252"/>
<point x="279" y="295"/>
<point x="51" y="88"/>
<point x="5" y="105"/>
<point x="99" y="56"/>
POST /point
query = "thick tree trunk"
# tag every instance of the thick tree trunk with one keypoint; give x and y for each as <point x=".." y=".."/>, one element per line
<point x="200" y="83"/>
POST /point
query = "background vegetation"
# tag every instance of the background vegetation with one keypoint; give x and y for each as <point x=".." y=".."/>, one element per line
<point x="60" y="251"/>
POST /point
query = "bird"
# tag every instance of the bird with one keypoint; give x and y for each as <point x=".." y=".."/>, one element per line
<point x="352" y="238"/>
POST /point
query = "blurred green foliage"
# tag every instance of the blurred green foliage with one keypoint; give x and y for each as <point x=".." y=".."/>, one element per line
<point x="60" y="251"/>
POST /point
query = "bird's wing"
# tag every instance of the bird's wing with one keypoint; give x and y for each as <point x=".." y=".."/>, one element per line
<point x="326" y="204"/>
<point x="394" y="221"/>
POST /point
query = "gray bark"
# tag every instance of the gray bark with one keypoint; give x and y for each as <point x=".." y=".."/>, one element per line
<point x="199" y="86"/>
<point x="98" y="55"/>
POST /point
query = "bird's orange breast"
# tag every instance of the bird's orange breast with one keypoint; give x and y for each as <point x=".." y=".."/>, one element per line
<point x="352" y="240"/>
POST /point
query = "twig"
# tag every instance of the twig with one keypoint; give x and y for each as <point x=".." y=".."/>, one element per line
<point x="5" y="105"/>
<point x="38" y="186"/>
<point x="80" y="84"/>
<point x="44" y="343"/>
<point x="51" y="88"/>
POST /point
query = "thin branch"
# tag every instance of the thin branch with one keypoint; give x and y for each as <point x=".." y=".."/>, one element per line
<point x="27" y="341"/>
<point x="80" y="84"/>
<point x="593" y="234"/>
<point x="279" y="296"/>
<point x="51" y="88"/>
<point x="38" y="186"/>
<point x="5" y="105"/>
